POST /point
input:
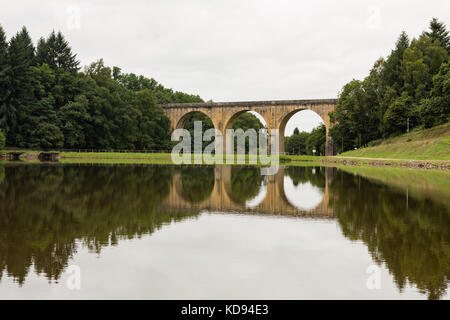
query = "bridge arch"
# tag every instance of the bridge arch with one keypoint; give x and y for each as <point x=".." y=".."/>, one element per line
<point x="284" y="120"/>
<point x="183" y="119"/>
<point x="232" y="117"/>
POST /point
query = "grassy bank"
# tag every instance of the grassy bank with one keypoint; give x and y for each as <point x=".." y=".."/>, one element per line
<point x="426" y="144"/>
<point x="147" y="158"/>
<point x="163" y="158"/>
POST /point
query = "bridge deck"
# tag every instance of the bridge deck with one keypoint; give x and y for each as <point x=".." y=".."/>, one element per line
<point x="249" y="103"/>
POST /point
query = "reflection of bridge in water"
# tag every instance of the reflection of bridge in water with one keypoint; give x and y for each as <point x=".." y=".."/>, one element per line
<point x="275" y="201"/>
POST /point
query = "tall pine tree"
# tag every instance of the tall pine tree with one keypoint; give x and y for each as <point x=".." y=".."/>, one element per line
<point x="56" y="52"/>
<point x="4" y="78"/>
<point x="20" y="98"/>
<point x="439" y="32"/>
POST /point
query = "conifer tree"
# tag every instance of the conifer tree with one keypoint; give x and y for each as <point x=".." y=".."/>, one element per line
<point x="20" y="98"/>
<point x="4" y="123"/>
<point x="56" y="52"/>
<point x="42" y="52"/>
<point x="440" y="33"/>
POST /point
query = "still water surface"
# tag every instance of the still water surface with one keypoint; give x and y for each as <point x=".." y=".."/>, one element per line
<point x="166" y="232"/>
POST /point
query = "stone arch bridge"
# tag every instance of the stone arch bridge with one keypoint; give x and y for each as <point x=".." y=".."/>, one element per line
<point x="276" y="114"/>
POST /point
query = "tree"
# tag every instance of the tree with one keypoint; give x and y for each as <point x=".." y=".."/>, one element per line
<point x="391" y="75"/>
<point x="56" y="52"/>
<point x="74" y="118"/>
<point x="153" y="125"/>
<point x="316" y="141"/>
<point x="391" y="79"/>
<point x="247" y="121"/>
<point x="396" y="117"/>
<point x="355" y="116"/>
<point x="439" y="32"/>
<point x="47" y="135"/>
<point x="297" y="143"/>
<point x="190" y="126"/>
<point x="163" y="95"/>
<point x="436" y="109"/>
<point x="5" y="117"/>
<point x="20" y="98"/>
<point x="2" y="140"/>
<point x="399" y="90"/>
<point x="46" y="102"/>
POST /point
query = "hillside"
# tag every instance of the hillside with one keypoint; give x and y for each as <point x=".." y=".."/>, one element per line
<point x="426" y="144"/>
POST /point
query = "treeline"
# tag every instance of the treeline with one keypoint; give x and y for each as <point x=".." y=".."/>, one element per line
<point x="303" y="143"/>
<point x="408" y="89"/>
<point x="47" y="102"/>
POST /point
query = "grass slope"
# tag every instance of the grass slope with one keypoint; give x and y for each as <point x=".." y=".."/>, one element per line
<point x="426" y="144"/>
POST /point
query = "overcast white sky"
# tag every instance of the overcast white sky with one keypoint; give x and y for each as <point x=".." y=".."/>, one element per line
<point x="232" y="50"/>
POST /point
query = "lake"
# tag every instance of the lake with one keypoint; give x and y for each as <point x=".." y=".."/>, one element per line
<point x="225" y="232"/>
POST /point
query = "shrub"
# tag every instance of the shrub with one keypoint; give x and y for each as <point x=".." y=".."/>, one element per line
<point x="375" y="143"/>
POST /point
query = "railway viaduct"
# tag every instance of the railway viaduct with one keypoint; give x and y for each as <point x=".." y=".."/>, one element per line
<point x="275" y="113"/>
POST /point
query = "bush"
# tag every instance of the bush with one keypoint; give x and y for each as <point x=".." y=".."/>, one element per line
<point x="2" y="140"/>
<point x="375" y="143"/>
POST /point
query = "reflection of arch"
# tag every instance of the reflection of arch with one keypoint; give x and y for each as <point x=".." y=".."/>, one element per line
<point x="259" y="198"/>
<point x="312" y="182"/>
<point x="275" y="201"/>
<point x="244" y="183"/>
<point x="306" y="196"/>
<point x="196" y="186"/>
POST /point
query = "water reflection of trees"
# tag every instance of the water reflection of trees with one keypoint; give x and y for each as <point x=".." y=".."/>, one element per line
<point x="245" y="183"/>
<point x="411" y="235"/>
<point x="313" y="175"/>
<point x="44" y="211"/>
<point x="198" y="183"/>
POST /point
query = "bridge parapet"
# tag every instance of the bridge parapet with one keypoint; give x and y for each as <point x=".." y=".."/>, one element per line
<point x="248" y="103"/>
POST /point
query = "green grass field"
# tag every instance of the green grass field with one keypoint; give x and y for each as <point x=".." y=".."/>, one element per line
<point x="159" y="158"/>
<point x="427" y="144"/>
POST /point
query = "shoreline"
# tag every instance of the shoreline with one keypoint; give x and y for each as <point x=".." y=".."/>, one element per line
<point x="165" y="158"/>
<point x="417" y="164"/>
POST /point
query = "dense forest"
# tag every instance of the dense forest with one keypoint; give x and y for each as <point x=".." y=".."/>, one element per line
<point x="47" y="102"/>
<point x="407" y="90"/>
